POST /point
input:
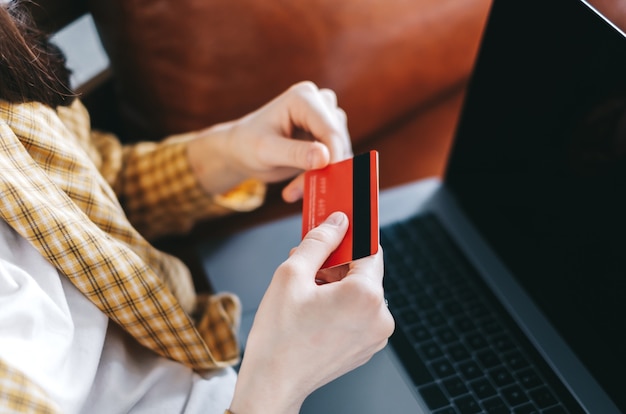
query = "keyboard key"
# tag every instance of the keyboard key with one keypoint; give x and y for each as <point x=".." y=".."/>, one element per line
<point x="483" y="388"/>
<point x="463" y="325"/>
<point x="487" y="358"/>
<point x="529" y="378"/>
<point x="495" y="406"/>
<point x="457" y="352"/>
<point x="542" y="397"/>
<point x="433" y="396"/>
<point x="412" y="286"/>
<point x="431" y="275"/>
<point x="503" y="343"/>
<point x="424" y="303"/>
<point x="467" y="405"/>
<point x="476" y="342"/>
<point x="470" y="370"/>
<point x="514" y="395"/>
<point x="501" y="377"/>
<point x="515" y="360"/>
<point x="455" y="386"/>
<point x="431" y="350"/>
<point x="555" y="410"/>
<point x="442" y="293"/>
<point x="452" y="308"/>
<point x="445" y="335"/>
<point x="420" y="334"/>
<point x="442" y="368"/>
<point x="409" y="316"/>
<point x="526" y="409"/>
<point x="435" y="319"/>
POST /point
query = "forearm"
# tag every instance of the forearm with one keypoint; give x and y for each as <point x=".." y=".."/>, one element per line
<point x="261" y="392"/>
<point x="209" y="155"/>
<point x="162" y="193"/>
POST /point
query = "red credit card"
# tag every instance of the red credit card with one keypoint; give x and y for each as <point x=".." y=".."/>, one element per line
<point x="350" y="186"/>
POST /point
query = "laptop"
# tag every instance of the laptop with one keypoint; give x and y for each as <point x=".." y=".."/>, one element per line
<point x="507" y="278"/>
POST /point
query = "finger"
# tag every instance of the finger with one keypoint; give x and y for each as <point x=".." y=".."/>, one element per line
<point x="321" y="241"/>
<point x="293" y="153"/>
<point x="329" y="96"/>
<point x="343" y="119"/>
<point x="294" y="191"/>
<point x="312" y="112"/>
<point x="347" y="142"/>
<point x="370" y="266"/>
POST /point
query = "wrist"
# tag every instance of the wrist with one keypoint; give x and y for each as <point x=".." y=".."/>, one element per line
<point x="210" y="160"/>
<point x="263" y="393"/>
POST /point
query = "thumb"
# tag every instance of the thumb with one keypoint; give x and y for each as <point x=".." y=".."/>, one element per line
<point x="321" y="241"/>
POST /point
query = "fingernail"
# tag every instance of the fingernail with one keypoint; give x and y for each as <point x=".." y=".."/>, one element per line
<point x="336" y="219"/>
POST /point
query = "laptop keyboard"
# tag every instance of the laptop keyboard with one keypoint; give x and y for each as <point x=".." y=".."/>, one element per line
<point x="462" y="351"/>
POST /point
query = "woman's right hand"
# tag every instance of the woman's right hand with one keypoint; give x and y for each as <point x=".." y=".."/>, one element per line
<point x="306" y="334"/>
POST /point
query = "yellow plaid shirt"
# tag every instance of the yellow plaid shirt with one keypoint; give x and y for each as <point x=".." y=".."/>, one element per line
<point x="73" y="193"/>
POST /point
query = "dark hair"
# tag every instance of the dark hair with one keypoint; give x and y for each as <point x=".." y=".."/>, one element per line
<point x="31" y="67"/>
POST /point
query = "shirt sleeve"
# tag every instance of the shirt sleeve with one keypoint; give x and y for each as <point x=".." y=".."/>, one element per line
<point x="18" y="394"/>
<point x="160" y="193"/>
<point x="154" y="180"/>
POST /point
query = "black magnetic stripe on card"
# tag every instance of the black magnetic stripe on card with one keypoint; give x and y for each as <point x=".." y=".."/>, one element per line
<point x="361" y="206"/>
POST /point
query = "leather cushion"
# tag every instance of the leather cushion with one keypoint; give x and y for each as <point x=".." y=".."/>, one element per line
<point x="186" y="64"/>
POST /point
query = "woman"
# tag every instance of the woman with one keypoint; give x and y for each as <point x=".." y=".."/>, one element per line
<point x="94" y="319"/>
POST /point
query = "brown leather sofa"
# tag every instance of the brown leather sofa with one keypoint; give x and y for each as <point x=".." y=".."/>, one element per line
<point x="182" y="65"/>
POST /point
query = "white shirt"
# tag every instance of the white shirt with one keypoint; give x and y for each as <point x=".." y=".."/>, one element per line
<point x="61" y="341"/>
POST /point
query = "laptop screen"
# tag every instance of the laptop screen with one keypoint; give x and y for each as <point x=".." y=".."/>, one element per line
<point x="539" y="165"/>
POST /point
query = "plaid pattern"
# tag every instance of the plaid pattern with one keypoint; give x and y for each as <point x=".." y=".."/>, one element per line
<point x="19" y="395"/>
<point x="55" y="183"/>
<point x="154" y="182"/>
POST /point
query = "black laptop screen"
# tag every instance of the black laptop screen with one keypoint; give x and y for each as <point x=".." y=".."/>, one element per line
<point x="539" y="164"/>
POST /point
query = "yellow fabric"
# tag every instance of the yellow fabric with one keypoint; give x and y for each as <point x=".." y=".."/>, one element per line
<point x="154" y="181"/>
<point x="56" y="179"/>
<point x="19" y="395"/>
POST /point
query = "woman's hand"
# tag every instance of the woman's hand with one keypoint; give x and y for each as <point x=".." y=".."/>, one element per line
<point x="306" y="334"/>
<point x="299" y="130"/>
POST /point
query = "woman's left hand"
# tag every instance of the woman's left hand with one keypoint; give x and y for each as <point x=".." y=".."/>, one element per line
<point x="301" y="129"/>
